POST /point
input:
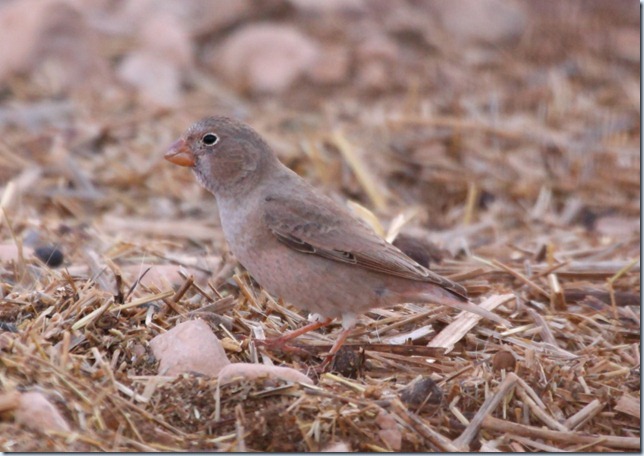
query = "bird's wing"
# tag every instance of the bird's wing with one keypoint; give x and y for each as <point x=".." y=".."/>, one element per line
<point x="316" y="225"/>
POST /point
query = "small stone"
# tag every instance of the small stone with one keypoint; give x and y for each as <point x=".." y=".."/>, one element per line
<point x="157" y="80"/>
<point x="389" y="431"/>
<point x="250" y="371"/>
<point x="486" y="21"/>
<point x="189" y="347"/>
<point x="7" y="326"/>
<point x="160" y="275"/>
<point x="485" y="199"/>
<point x="51" y="38"/>
<point x="348" y="362"/>
<point x="504" y="359"/>
<point x="265" y="58"/>
<point x="163" y="34"/>
<point x="423" y="252"/>
<point x="50" y="255"/>
<point x="36" y="412"/>
<point x="421" y="393"/>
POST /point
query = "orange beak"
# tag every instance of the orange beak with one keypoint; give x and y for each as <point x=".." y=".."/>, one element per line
<point x="180" y="154"/>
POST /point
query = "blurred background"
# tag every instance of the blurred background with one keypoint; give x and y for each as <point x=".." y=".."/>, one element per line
<point x="495" y="140"/>
<point x="435" y="100"/>
<point x="466" y="119"/>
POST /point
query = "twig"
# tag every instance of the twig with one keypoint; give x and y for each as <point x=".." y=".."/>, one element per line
<point x="583" y="415"/>
<point x="495" y="424"/>
<point x="540" y="412"/>
<point x="464" y="440"/>
<point x="546" y="333"/>
<point x="557" y="298"/>
<point x="436" y="439"/>
<point x="522" y="278"/>
<point x="464" y="322"/>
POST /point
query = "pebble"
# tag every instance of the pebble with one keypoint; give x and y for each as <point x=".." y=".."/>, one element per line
<point x="36" y="412"/>
<point x="50" y="255"/>
<point x="189" y="347"/>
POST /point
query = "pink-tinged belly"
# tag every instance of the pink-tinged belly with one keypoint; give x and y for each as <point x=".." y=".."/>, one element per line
<point x="315" y="284"/>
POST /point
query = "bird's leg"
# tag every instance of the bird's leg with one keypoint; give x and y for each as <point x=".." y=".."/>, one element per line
<point x="348" y="323"/>
<point x="282" y="340"/>
<point x="336" y="347"/>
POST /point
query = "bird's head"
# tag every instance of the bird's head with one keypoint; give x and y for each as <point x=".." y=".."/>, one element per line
<point x="223" y="153"/>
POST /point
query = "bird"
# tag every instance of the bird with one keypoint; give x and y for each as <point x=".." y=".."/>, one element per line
<point x="299" y="244"/>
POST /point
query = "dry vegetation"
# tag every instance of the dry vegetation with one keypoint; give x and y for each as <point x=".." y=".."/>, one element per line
<point x="514" y="165"/>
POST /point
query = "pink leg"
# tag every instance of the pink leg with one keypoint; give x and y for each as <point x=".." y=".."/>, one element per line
<point x="282" y="340"/>
<point x="336" y="347"/>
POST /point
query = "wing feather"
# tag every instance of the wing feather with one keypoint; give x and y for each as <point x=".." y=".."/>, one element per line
<point x="318" y="226"/>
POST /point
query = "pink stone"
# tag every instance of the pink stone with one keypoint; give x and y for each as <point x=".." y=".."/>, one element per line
<point x="189" y="347"/>
<point x="251" y="371"/>
<point x="36" y="412"/>
<point x="389" y="431"/>
<point x="265" y="58"/>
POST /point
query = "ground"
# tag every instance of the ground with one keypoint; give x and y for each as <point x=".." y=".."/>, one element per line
<point x="498" y="140"/>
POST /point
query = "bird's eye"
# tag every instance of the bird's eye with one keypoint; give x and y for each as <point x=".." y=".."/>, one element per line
<point x="210" y="139"/>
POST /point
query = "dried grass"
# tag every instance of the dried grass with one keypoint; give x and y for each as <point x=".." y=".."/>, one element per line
<point x="539" y="210"/>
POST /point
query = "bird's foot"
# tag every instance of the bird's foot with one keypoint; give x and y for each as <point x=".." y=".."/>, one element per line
<point x="273" y="342"/>
<point x="324" y="366"/>
<point x="330" y="357"/>
<point x="281" y="344"/>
